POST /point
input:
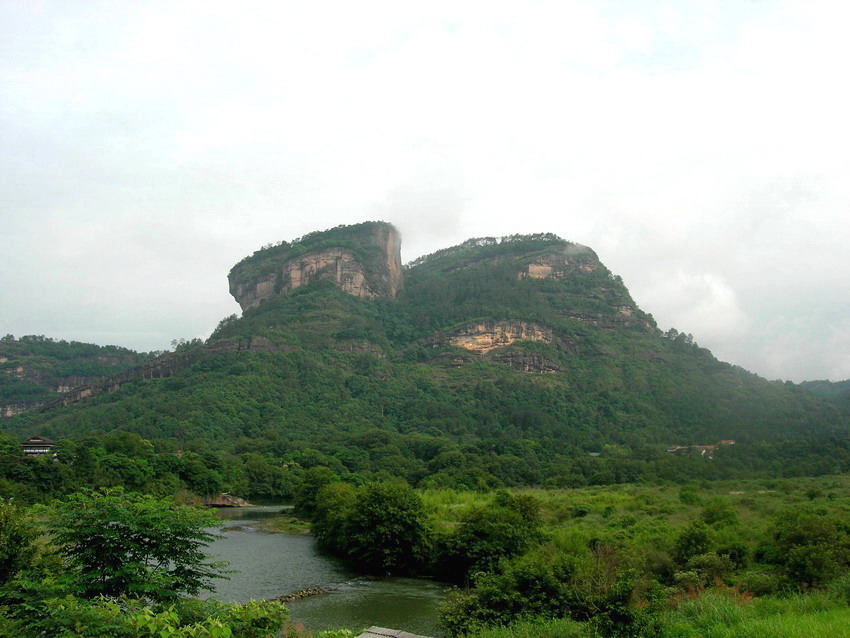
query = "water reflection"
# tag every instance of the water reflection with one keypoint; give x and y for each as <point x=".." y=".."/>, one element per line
<point x="271" y="565"/>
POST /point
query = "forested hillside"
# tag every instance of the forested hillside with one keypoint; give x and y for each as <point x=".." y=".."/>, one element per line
<point x="35" y="369"/>
<point x="836" y="391"/>
<point x="503" y="361"/>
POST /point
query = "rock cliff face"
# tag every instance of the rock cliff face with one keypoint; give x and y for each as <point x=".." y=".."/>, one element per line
<point x="489" y="335"/>
<point x="493" y="340"/>
<point x="364" y="262"/>
<point x="557" y="265"/>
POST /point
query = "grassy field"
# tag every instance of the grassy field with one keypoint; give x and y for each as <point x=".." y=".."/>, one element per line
<point x="627" y="511"/>
<point x="644" y="523"/>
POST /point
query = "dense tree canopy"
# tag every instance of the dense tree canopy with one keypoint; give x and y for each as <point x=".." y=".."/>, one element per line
<point x="120" y="544"/>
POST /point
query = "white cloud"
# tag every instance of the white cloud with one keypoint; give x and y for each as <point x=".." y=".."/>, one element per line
<point x="700" y="148"/>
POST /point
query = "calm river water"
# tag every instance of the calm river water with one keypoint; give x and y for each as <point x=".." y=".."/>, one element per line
<point x="270" y="565"/>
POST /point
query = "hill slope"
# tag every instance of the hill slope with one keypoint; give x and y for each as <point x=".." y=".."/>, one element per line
<point x="35" y="369"/>
<point x="502" y="360"/>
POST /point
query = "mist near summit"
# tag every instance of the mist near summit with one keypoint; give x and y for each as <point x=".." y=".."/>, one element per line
<point x="701" y="149"/>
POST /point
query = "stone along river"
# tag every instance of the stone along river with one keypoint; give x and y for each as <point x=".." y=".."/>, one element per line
<point x="270" y="565"/>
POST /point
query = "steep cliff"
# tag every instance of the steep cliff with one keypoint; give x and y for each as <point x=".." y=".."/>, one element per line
<point x="363" y="260"/>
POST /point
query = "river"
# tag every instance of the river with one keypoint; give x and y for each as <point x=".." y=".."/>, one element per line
<point x="271" y="565"/>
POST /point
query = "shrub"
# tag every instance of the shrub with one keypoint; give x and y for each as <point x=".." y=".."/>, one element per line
<point x="719" y="512"/>
<point x="693" y="540"/>
<point x="760" y="583"/>
<point x="688" y="496"/>
<point x="71" y="616"/>
<point x="811" y="546"/>
<point x="488" y="534"/>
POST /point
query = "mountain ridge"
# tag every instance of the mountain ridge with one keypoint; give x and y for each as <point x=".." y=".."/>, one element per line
<point x="522" y="354"/>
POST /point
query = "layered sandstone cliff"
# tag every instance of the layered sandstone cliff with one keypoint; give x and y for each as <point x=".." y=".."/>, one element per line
<point x="485" y="336"/>
<point x="363" y="260"/>
<point x="493" y="340"/>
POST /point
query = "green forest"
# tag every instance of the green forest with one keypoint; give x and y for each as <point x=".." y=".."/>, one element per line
<point x="532" y="471"/>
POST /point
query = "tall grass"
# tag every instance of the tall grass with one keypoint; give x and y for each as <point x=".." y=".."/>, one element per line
<point x="717" y="614"/>
<point x="540" y="628"/>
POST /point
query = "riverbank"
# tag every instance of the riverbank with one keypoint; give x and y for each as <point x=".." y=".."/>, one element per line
<point x="284" y="523"/>
<point x="275" y="564"/>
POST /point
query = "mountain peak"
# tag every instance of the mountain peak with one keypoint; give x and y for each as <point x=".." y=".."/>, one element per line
<point x="363" y="260"/>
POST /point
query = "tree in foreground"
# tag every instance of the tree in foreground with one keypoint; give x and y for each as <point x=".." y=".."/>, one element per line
<point x="17" y="535"/>
<point x="133" y="545"/>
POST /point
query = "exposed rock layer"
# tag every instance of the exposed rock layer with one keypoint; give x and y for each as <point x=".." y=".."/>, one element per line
<point x="165" y="366"/>
<point x="381" y="277"/>
<point x="227" y="500"/>
<point x="557" y="265"/>
<point x="488" y="335"/>
<point x="493" y="340"/>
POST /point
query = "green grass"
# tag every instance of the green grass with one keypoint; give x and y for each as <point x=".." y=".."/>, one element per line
<point x="715" y="614"/>
<point x="834" y="623"/>
<point x="650" y="513"/>
<point x="721" y="615"/>
<point x="560" y="628"/>
<point x="284" y="524"/>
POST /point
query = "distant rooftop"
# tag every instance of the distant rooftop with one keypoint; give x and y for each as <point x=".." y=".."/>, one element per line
<point x="37" y="445"/>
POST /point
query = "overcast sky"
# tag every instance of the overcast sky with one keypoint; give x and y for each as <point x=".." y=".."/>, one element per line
<point x="701" y="148"/>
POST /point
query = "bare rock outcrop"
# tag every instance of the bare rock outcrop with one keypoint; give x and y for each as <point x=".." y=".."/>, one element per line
<point x="164" y="366"/>
<point x="227" y="500"/>
<point x="561" y="263"/>
<point x="525" y="361"/>
<point x="488" y="335"/>
<point x="494" y="340"/>
<point x="366" y="263"/>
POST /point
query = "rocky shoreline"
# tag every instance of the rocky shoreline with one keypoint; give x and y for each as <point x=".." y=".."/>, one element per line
<point x="301" y="593"/>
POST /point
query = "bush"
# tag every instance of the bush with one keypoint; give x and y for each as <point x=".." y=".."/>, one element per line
<point x="71" y="616"/>
<point x="840" y="588"/>
<point x="710" y="567"/>
<point x="688" y="496"/>
<point x="537" y="584"/>
<point x="488" y="534"/>
<point x="628" y="610"/>
<point x="719" y="512"/>
<point x="693" y="540"/>
<point x="386" y="529"/>
<point x="812" y="547"/>
<point x="760" y="583"/>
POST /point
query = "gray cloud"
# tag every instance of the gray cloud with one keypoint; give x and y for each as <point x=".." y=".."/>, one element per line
<point x="700" y="149"/>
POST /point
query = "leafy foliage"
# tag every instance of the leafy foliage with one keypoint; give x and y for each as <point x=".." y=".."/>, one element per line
<point x="119" y="544"/>
<point x="17" y="536"/>
<point x="380" y="527"/>
<point x="33" y="367"/>
<point x="487" y="534"/>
